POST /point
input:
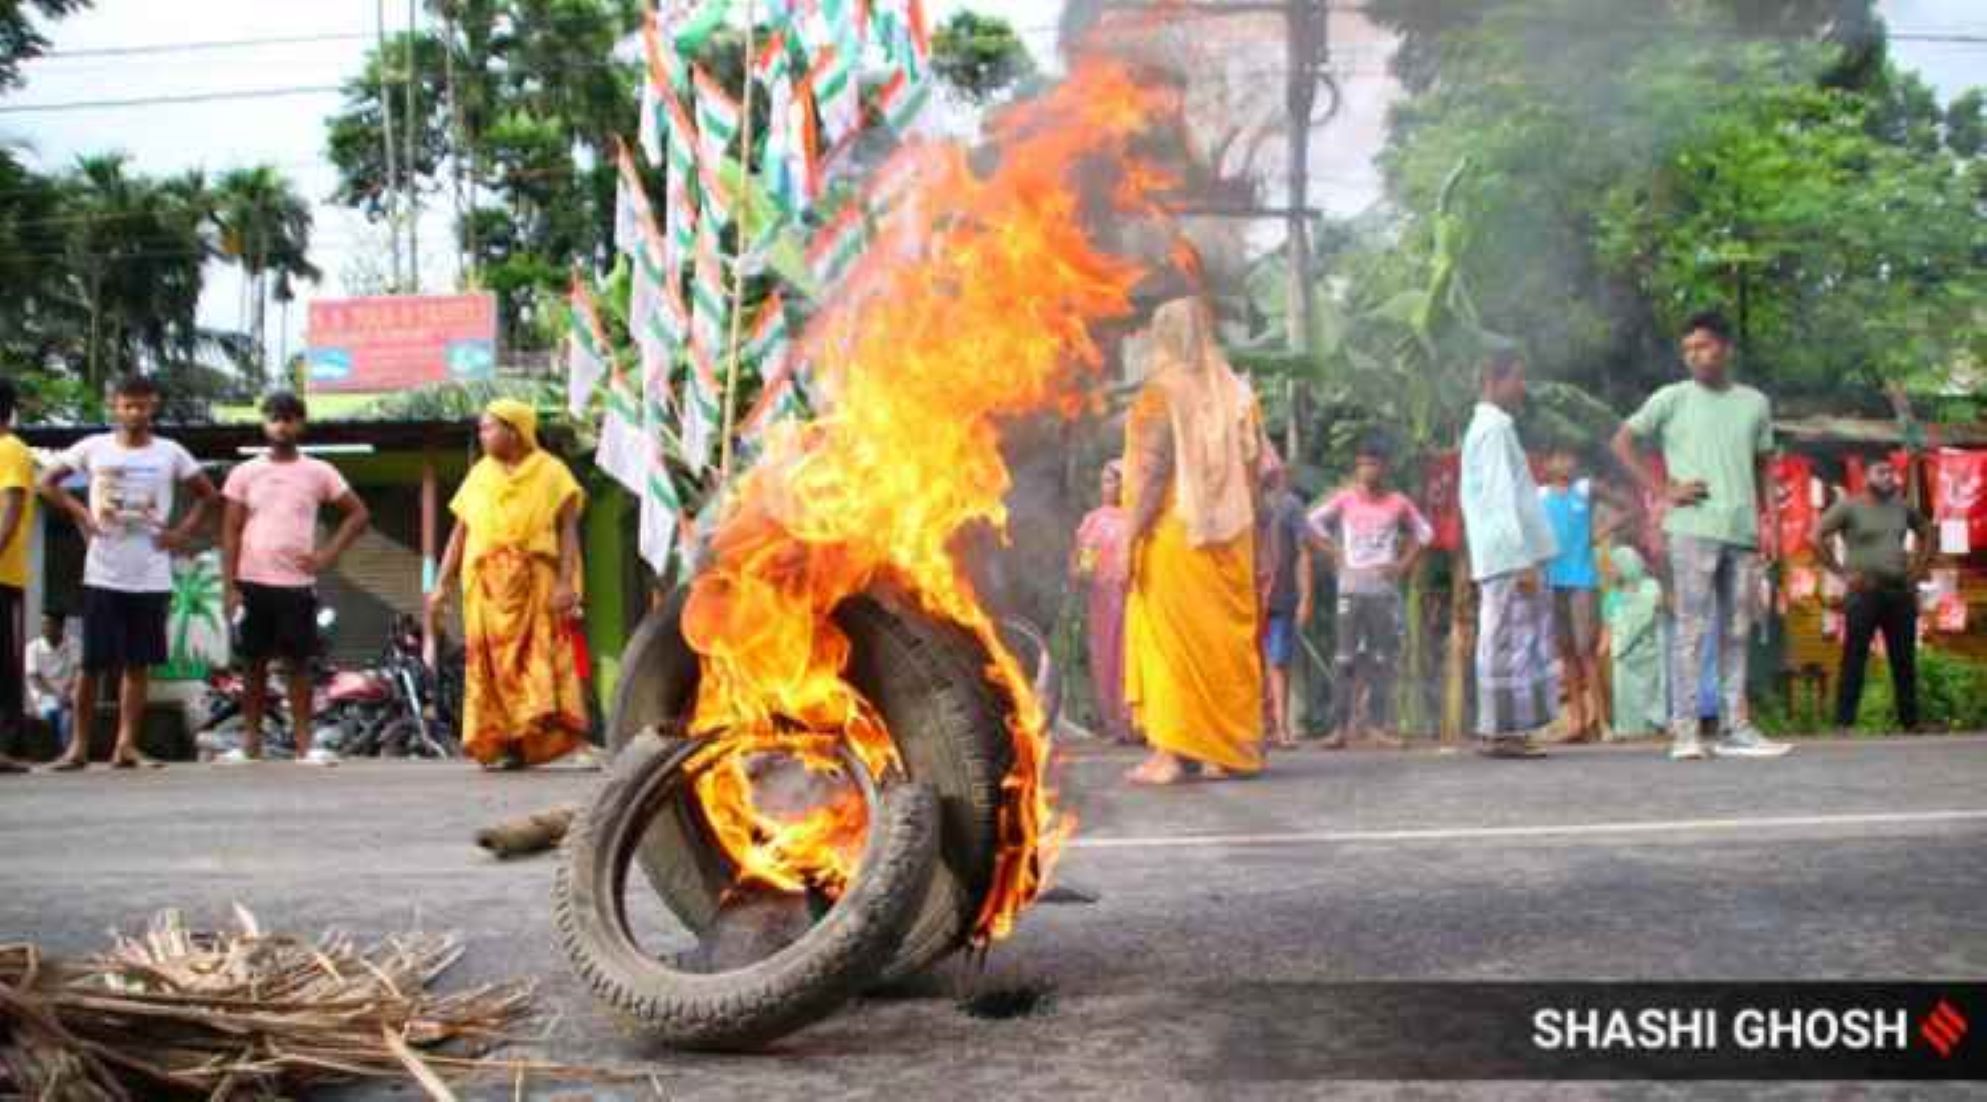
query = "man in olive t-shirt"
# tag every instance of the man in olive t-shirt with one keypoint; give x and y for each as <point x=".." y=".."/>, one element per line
<point x="1880" y="573"/>
<point x="1715" y="436"/>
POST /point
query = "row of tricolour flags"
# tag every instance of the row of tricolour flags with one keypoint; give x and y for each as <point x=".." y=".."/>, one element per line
<point x="806" y="63"/>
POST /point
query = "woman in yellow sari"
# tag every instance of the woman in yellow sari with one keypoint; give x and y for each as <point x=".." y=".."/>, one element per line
<point x="516" y="545"/>
<point x="1193" y="669"/>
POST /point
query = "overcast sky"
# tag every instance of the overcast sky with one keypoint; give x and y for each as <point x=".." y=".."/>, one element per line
<point x="288" y="132"/>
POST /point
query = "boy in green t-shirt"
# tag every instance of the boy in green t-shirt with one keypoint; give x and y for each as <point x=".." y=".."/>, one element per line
<point x="1716" y="436"/>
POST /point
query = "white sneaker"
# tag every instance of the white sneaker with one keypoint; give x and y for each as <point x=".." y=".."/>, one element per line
<point x="1685" y="745"/>
<point x="319" y="756"/>
<point x="237" y="756"/>
<point x="1747" y="742"/>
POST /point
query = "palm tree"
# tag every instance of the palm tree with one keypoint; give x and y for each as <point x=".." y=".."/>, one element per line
<point x="134" y="248"/>
<point x="264" y="227"/>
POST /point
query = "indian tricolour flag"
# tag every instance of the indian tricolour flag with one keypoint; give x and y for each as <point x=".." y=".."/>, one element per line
<point x="659" y="56"/>
<point x="792" y="168"/>
<point x="648" y="293"/>
<point x="902" y="101"/>
<point x="622" y="452"/>
<point x="718" y="206"/>
<point x="770" y="63"/>
<point x="836" y="247"/>
<point x="662" y="534"/>
<point x="679" y="133"/>
<point x="700" y="406"/>
<point x="709" y="305"/>
<point x="631" y="202"/>
<point x="588" y="355"/>
<point x="766" y="344"/>
<point x="661" y="526"/>
<point x="831" y="84"/>
<point x="905" y="38"/>
<point x="717" y="117"/>
<point x="773" y="352"/>
<point x="673" y="319"/>
<point x="680" y="239"/>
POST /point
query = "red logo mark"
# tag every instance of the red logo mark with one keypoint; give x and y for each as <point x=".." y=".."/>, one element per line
<point x="1943" y="1029"/>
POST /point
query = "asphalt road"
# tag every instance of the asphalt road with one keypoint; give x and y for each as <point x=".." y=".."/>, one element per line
<point x="1845" y="861"/>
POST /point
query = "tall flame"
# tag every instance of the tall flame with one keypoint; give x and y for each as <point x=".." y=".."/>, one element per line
<point x="977" y="306"/>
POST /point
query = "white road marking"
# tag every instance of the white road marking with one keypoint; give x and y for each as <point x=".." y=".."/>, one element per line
<point x="1492" y="833"/>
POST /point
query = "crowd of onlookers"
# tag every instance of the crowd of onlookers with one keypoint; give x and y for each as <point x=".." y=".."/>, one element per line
<point x="1605" y="608"/>
<point x="515" y="545"/>
<point x="1198" y="567"/>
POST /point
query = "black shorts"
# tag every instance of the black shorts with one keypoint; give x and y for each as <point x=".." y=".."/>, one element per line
<point x="123" y="630"/>
<point x="278" y="621"/>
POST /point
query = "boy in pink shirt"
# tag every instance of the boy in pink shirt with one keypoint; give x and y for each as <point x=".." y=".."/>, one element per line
<point x="1361" y="529"/>
<point x="270" y="563"/>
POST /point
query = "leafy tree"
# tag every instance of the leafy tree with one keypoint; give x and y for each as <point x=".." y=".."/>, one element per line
<point x="1849" y="246"/>
<point x="355" y="136"/>
<point x="134" y="251"/>
<point x="1677" y="175"/>
<point x="265" y="227"/>
<point x="980" y="56"/>
<point x="20" y="39"/>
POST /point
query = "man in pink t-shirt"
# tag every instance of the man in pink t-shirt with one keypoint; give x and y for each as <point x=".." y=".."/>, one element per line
<point x="270" y="562"/>
<point x="1361" y="529"/>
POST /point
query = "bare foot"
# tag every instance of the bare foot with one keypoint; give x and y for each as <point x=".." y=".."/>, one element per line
<point x="1218" y="773"/>
<point x="67" y="763"/>
<point x="1157" y="771"/>
<point x="129" y="757"/>
<point x="1335" y="741"/>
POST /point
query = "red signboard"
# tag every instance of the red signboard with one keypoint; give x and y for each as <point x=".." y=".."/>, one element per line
<point x="1959" y="501"/>
<point x="1439" y="495"/>
<point x="1793" y="499"/>
<point x="400" y="341"/>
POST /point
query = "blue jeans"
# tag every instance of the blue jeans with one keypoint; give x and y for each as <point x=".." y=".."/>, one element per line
<point x="57" y="716"/>
<point x="1717" y="587"/>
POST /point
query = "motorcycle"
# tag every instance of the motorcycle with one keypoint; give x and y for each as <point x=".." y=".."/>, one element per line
<point x="344" y="704"/>
<point x="419" y="716"/>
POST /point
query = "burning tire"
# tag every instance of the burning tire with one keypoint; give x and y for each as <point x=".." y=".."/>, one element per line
<point x="745" y="1007"/>
<point x="929" y="682"/>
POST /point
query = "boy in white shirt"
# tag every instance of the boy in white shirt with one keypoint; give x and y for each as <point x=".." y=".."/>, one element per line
<point x="127" y="575"/>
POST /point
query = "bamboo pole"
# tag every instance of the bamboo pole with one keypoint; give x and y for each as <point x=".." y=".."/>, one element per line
<point x="737" y="260"/>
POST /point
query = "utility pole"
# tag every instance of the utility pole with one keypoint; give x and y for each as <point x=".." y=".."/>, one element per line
<point x="464" y="242"/>
<point x="391" y="193"/>
<point x="412" y="176"/>
<point x="1306" y="23"/>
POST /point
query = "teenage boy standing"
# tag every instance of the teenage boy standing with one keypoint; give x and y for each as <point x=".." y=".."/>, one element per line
<point x="127" y="575"/>
<point x="270" y="562"/>
<point x="1716" y="436"/>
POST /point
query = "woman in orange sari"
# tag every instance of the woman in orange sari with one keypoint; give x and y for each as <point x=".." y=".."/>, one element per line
<point x="516" y="545"/>
<point x="1193" y="670"/>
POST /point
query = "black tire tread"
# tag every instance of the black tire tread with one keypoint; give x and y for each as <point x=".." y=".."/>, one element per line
<point x="750" y="1007"/>
<point x="959" y="744"/>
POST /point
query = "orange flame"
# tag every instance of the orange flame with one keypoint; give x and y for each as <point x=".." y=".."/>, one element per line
<point x="976" y="307"/>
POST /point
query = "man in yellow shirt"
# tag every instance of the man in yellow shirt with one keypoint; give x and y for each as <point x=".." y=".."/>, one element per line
<point x="16" y="522"/>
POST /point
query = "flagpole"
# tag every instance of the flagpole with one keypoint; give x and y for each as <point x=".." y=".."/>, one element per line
<point x="738" y="257"/>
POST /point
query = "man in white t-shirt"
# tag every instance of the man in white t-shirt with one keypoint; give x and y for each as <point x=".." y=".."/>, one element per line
<point x="50" y="670"/>
<point x="127" y="575"/>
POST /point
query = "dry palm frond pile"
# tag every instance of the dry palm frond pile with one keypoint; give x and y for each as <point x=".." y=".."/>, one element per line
<point x="242" y="1014"/>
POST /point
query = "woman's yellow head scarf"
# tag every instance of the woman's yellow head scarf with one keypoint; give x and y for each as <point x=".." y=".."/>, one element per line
<point x="522" y="419"/>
